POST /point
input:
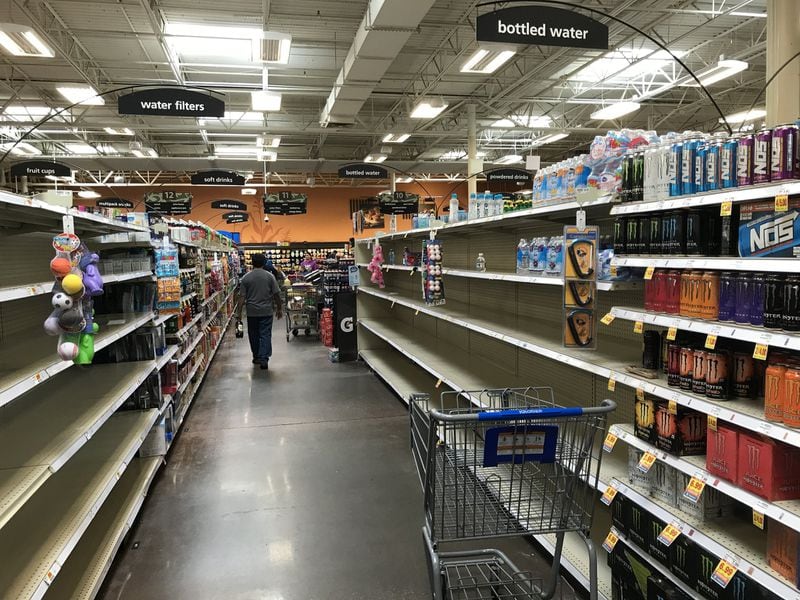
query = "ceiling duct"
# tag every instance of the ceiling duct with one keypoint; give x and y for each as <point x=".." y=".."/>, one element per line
<point x="382" y="34"/>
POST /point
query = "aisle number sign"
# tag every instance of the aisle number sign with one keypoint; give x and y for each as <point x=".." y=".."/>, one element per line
<point x="611" y="541"/>
<point x="781" y="203"/>
<point x="608" y="496"/>
<point x="724" y="572"/>
<point x="694" y="489"/>
<point x="610" y="442"/>
<point x="669" y="534"/>
<point x="646" y="462"/>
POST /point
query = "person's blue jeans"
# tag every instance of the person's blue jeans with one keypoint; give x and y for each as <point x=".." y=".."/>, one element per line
<point x="259" y="332"/>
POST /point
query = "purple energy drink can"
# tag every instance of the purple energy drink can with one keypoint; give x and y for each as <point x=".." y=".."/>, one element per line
<point x="744" y="159"/>
<point x="713" y="151"/>
<point x="700" y="167"/>
<point x="687" y="166"/>
<point x="674" y="168"/>
<point x="727" y="296"/>
<point x="762" y="155"/>
<point x="727" y="163"/>
<point x="784" y="152"/>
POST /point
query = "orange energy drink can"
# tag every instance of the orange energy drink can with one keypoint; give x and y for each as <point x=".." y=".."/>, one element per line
<point x="791" y="411"/>
<point x="709" y="295"/>
<point x="774" y="393"/>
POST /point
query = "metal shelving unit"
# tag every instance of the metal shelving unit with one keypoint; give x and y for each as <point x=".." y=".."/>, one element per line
<point x="767" y="265"/>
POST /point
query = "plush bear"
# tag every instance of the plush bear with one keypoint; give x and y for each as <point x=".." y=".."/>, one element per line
<point x="374" y="266"/>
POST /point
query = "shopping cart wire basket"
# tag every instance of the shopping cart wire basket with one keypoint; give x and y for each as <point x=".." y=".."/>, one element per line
<point x="501" y="463"/>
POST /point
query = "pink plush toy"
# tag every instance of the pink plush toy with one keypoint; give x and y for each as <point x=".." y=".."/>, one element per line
<point x="374" y="266"/>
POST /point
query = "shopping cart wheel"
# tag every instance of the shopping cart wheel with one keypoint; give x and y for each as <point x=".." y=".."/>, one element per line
<point x="288" y="337"/>
<point x="308" y="332"/>
<point x="294" y="332"/>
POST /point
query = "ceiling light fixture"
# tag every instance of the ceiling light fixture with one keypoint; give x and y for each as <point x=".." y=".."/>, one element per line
<point x="396" y="138"/>
<point x="616" y="110"/>
<point x="88" y="194"/>
<point x="275" y="47"/>
<point x="266" y="141"/>
<point x="453" y="155"/>
<point x="123" y="131"/>
<point x="81" y="95"/>
<point x="249" y="191"/>
<point x="265" y="101"/>
<point x="80" y="148"/>
<point x="486" y="61"/>
<point x="746" y="115"/>
<point x="428" y="109"/>
<point x="223" y="151"/>
<point x="722" y="70"/>
<point x="28" y="114"/>
<point x="509" y="159"/>
<point x="21" y="149"/>
<point x="533" y="122"/>
<point x="549" y="139"/>
<point x="267" y="156"/>
<point x="404" y="180"/>
<point x="19" y="40"/>
<point x="144" y="153"/>
<point x="214" y="41"/>
<point x="376" y="158"/>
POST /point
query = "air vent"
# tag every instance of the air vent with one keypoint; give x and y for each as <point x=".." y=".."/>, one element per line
<point x="275" y="47"/>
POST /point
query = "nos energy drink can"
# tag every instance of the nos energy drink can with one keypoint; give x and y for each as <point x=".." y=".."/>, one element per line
<point x="744" y="159"/>
<point x="674" y="168"/>
<point x="727" y="163"/>
<point x="687" y="166"/>
<point x="712" y="174"/>
<point x="784" y="152"/>
<point x="700" y="167"/>
<point x="762" y="156"/>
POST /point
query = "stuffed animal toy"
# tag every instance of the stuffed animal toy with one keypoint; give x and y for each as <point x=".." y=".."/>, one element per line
<point x="375" y="264"/>
<point x="92" y="279"/>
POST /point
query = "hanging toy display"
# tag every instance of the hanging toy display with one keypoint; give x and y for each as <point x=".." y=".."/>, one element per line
<point x="67" y="319"/>
<point x="93" y="286"/>
<point x="375" y="265"/>
<point x="432" y="280"/>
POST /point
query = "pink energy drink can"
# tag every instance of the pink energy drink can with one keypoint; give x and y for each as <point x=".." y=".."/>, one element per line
<point x="762" y="156"/>
<point x="784" y="153"/>
<point x="744" y="160"/>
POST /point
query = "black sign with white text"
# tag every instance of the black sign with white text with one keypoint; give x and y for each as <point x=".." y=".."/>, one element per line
<point x="40" y="168"/>
<point x="542" y="26"/>
<point x="168" y="203"/>
<point x="217" y="178"/>
<point x="363" y="171"/>
<point x="113" y="203"/>
<point x="236" y="217"/>
<point x="229" y="205"/>
<point x="285" y="203"/>
<point x="517" y="176"/>
<point x="171" y="102"/>
<point x="399" y="203"/>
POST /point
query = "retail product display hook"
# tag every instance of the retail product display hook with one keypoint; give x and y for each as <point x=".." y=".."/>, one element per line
<point x="432" y="234"/>
<point x="580" y="219"/>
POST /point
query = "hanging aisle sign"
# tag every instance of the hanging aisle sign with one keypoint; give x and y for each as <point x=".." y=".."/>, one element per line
<point x="517" y="176"/>
<point x="171" y="102"/>
<point x="285" y="203"/>
<point x="168" y="203"/>
<point x="399" y="203"/>
<point x="229" y="205"/>
<point x="113" y="203"/>
<point x="542" y="26"/>
<point x="363" y="171"/>
<point x="40" y="168"/>
<point x="217" y="178"/>
<point x="236" y="217"/>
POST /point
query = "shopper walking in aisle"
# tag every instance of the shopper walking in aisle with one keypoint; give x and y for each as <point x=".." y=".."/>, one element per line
<point x="260" y="295"/>
<point x="309" y="263"/>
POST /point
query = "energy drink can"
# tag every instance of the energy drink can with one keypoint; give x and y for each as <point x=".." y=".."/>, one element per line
<point x="774" y="393"/>
<point x="700" y="167"/>
<point x="757" y="303"/>
<point x="621" y="235"/>
<point x="791" y="303"/>
<point x="773" y="301"/>
<point x="744" y="298"/>
<point x="727" y="163"/>
<point x="695" y="231"/>
<point x="687" y="166"/>
<point x="709" y="295"/>
<point x="627" y="177"/>
<point x="634" y="247"/>
<point x="672" y="292"/>
<point x="651" y="355"/>
<point x="727" y="296"/>
<point x="784" y="153"/>
<point x="678" y="220"/>
<point x="743" y="374"/>
<point x="666" y="233"/>
<point x="744" y="159"/>
<point x="656" y="244"/>
<point x="712" y="165"/>
<point x="762" y="156"/>
<point x="637" y="189"/>
<point x="699" y="372"/>
<point x="791" y="406"/>
<point x="686" y="368"/>
<point x="718" y="381"/>
<point x="674" y="168"/>
<point x="674" y="364"/>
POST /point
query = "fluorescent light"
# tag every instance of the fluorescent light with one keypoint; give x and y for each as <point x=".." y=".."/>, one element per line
<point x="21" y="149"/>
<point x="213" y="41"/>
<point x="28" y="114"/>
<point x="81" y="95"/>
<point x="236" y="150"/>
<point x="616" y="110"/>
<point x="266" y="141"/>
<point x="531" y="121"/>
<point x="428" y="109"/>
<point x="211" y="157"/>
<point x="265" y="101"/>
<point x="68" y="178"/>
<point x="123" y="131"/>
<point x="504" y="124"/>
<point x="20" y="40"/>
<point x="453" y="155"/>
<point x="625" y="64"/>
<point x="548" y="139"/>
<point x="404" y="180"/>
<point x="395" y="138"/>
<point x="745" y="115"/>
<point x="79" y="148"/>
<point x="267" y="155"/>
<point x="275" y="48"/>
<point x="722" y="70"/>
<point x="483" y="62"/>
<point x="376" y="158"/>
<point x="509" y="159"/>
<point x="88" y="194"/>
<point x="249" y="191"/>
<point x="145" y="153"/>
<point x="238" y="117"/>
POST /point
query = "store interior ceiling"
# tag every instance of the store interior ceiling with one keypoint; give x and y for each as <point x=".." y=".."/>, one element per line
<point x="356" y="71"/>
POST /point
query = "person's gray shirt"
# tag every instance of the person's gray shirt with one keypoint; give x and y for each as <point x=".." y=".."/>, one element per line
<point x="258" y="288"/>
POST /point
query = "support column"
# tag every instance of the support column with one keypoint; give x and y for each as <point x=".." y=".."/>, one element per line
<point x="783" y="41"/>
<point x="473" y="165"/>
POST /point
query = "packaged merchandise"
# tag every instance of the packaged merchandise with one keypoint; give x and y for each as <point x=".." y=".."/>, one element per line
<point x="682" y="433"/>
<point x="664" y="483"/>
<point x="155" y="444"/>
<point x="635" y="476"/>
<point x="645" y="422"/>
<point x="683" y="560"/>
<point x="722" y="451"/>
<point x="711" y="504"/>
<point x="619" y="516"/>
<point x="638" y="524"/>
<point x="740" y="587"/>
<point x="768" y="468"/>
<point x="659" y="588"/>
<point x="783" y="544"/>
<point x="764" y="232"/>
<point x="654" y="548"/>
<point x="631" y="572"/>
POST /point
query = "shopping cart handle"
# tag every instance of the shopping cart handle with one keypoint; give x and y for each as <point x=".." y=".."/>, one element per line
<point x="522" y="413"/>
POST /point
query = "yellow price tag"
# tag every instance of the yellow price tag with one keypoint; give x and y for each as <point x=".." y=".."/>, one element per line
<point x="638" y="327"/>
<point x="416" y="312"/>
<point x="760" y="352"/>
<point x="646" y="462"/>
<point x="411" y="272"/>
<point x="669" y="534"/>
<point x="648" y="272"/>
<point x="726" y="208"/>
<point x="438" y="383"/>
<point x="758" y="519"/>
<point x="613" y="270"/>
<point x="672" y="333"/>
<point x="694" y="489"/>
<point x="711" y="341"/>
<point x="612" y="384"/>
<point x="608" y="319"/>
<point x="723" y="574"/>
<point x="640" y="394"/>
<point x="781" y="203"/>
<point x="609" y="495"/>
<point x="610" y="442"/>
<point x="712" y="422"/>
<point x="672" y="407"/>
<point x="610" y="541"/>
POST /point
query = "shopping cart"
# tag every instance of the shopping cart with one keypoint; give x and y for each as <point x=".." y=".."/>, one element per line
<point x="502" y="463"/>
<point x="302" y="301"/>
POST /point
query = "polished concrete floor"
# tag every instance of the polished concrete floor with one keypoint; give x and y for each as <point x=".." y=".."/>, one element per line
<point x="289" y="484"/>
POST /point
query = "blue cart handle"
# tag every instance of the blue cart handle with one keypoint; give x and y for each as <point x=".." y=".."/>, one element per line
<point x="523" y="413"/>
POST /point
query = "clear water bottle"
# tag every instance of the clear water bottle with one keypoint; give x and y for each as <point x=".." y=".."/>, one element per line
<point x="487" y="204"/>
<point x="498" y="204"/>
<point x="453" y="217"/>
<point x="472" y="209"/>
<point x="390" y="257"/>
<point x="480" y="263"/>
<point x="522" y="256"/>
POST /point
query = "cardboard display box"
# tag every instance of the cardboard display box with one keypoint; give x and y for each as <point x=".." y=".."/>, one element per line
<point x="683" y="433"/>
<point x="722" y="454"/>
<point x="768" y="468"/>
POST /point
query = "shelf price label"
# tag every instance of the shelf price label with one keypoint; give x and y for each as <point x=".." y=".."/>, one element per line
<point x="610" y="442"/>
<point x="711" y="341"/>
<point x="781" y="203"/>
<point x="607" y="319"/>
<point x="612" y="384"/>
<point x="724" y="572"/>
<point x="760" y="352"/>
<point x="638" y="327"/>
<point x="640" y="394"/>
<point x="613" y="270"/>
<point x="712" y="422"/>
<point x="669" y="534"/>
<point x="611" y="541"/>
<point x="608" y="496"/>
<point x="646" y="462"/>
<point x="726" y="208"/>
<point x="438" y="383"/>
<point x="672" y="333"/>
<point x="694" y="489"/>
<point x="672" y="407"/>
<point x="648" y="272"/>
<point x="758" y="519"/>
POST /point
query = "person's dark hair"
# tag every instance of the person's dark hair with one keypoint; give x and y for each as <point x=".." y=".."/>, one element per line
<point x="259" y="260"/>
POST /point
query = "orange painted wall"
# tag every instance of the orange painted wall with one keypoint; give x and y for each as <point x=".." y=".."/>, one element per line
<point x="328" y="218"/>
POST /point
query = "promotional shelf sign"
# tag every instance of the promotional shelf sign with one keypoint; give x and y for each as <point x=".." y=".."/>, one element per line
<point x="517" y="176"/>
<point x="399" y="203"/>
<point x="236" y="217"/>
<point x="226" y="204"/>
<point x="168" y="202"/>
<point x="171" y="102"/>
<point x="217" y="178"/>
<point x="363" y="171"/>
<point x="113" y="203"/>
<point x="542" y="26"/>
<point x="40" y="168"/>
<point x="285" y="203"/>
<point x="580" y="286"/>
